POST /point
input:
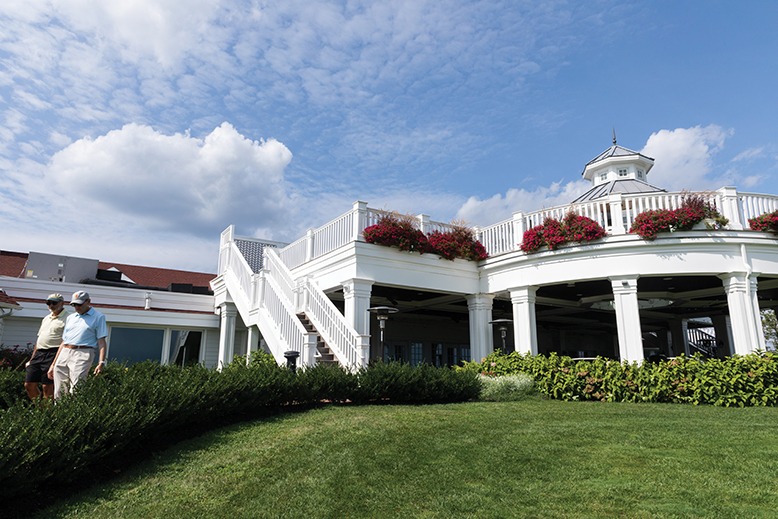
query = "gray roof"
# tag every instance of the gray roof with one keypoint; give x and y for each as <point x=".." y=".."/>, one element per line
<point x="624" y="186"/>
<point x="615" y="151"/>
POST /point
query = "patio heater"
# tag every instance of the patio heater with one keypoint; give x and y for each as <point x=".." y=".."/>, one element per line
<point x="502" y="325"/>
<point x="382" y="314"/>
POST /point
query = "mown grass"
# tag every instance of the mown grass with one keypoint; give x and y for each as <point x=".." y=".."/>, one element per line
<point x="533" y="458"/>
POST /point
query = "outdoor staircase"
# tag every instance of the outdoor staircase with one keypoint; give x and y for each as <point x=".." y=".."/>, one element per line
<point x="702" y="342"/>
<point x="323" y="353"/>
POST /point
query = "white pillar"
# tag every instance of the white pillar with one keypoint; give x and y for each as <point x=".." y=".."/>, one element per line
<point x="722" y="326"/>
<point x="617" y="214"/>
<point x="227" y="314"/>
<point x="525" y="334"/>
<point x="356" y="295"/>
<point x="625" y="297"/>
<point x="480" y="313"/>
<point x="744" y="315"/>
<point x="252" y="342"/>
<point x="730" y="207"/>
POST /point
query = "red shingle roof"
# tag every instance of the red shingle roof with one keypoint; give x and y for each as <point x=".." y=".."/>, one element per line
<point x="13" y="264"/>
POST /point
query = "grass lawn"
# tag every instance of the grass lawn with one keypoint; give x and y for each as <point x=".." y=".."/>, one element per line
<point x="534" y="458"/>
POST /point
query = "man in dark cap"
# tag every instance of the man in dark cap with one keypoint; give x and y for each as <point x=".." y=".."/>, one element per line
<point x="45" y="349"/>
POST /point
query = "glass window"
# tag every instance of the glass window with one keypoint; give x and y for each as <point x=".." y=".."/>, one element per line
<point x="131" y="345"/>
<point x="185" y="347"/>
<point x="417" y="353"/>
<point x="622" y="172"/>
<point x="603" y="176"/>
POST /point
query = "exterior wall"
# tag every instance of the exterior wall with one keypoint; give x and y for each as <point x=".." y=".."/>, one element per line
<point x="189" y="311"/>
<point x="19" y="331"/>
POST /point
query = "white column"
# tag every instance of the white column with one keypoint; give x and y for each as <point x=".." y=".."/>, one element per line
<point x="730" y="207"/>
<point x="744" y="315"/>
<point x="356" y="295"/>
<point x="525" y="334"/>
<point x="518" y="229"/>
<point x="625" y="297"/>
<point x="617" y="214"/>
<point x="227" y="315"/>
<point x="480" y="313"/>
<point x="722" y="326"/>
<point x="359" y="210"/>
<point x="252" y="342"/>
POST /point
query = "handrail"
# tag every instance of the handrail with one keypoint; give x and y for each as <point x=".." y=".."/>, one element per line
<point x="341" y="338"/>
<point x="615" y="214"/>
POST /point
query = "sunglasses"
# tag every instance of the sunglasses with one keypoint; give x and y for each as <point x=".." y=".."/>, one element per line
<point x="76" y="304"/>
<point x="52" y="303"/>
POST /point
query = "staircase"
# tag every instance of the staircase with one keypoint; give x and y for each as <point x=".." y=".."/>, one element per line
<point x="702" y="342"/>
<point x="292" y="313"/>
<point x="323" y="353"/>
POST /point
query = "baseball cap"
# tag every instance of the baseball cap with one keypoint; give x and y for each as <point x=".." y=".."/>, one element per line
<point x="79" y="297"/>
<point x="55" y="297"/>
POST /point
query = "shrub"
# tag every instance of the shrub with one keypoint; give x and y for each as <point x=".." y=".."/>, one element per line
<point x="507" y="388"/>
<point x="553" y="233"/>
<point x="459" y="242"/>
<point x="401" y="383"/>
<point x="393" y="230"/>
<point x="749" y="380"/>
<point x="14" y="357"/>
<point x="767" y="222"/>
<point x="399" y="231"/>
<point x="694" y="209"/>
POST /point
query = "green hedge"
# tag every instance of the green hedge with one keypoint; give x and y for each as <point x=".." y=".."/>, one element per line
<point x="750" y="380"/>
<point x="126" y="412"/>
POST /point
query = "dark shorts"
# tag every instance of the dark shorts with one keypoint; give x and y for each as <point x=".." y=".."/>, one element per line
<point x="39" y="366"/>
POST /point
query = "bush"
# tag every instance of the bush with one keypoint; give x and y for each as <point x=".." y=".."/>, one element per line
<point x="694" y="209"/>
<point x="394" y="230"/>
<point x="126" y="412"/>
<point x="749" y="380"/>
<point x="767" y="222"/>
<point x="507" y="388"/>
<point x="573" y="228"/>
<point x="459" y="242"/>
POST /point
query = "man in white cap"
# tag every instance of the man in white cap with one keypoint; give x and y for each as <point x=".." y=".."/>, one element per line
<point x="45" y="349"/>
<point x="83" y="338"/>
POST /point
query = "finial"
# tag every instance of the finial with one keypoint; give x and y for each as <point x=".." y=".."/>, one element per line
<point x="614" y="136"/>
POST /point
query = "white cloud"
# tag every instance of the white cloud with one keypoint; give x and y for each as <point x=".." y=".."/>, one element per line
<point x="500" y="207"/>
<point x="684" y="157"/>
<point x="180" y="182"/>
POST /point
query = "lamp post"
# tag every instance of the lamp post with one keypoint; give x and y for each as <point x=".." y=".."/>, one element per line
<point x="502" y="325"/>
<point x="382" y="314"/>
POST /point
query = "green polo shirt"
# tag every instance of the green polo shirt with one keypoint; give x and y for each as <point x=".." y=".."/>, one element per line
<point x="50" y="332"/>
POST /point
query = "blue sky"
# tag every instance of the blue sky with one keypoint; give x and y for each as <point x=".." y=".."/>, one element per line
<point x="137" y="131"/>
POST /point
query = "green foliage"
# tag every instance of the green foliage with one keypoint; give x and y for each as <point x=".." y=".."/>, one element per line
<point x="125" y="412"/>
<point x="750" y="380"/>
<point x="507" y="388"/>
<point x="401" y="383"/>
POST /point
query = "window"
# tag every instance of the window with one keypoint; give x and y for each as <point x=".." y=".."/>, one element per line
<point x="185" y="347"/>
<point x="640" y="173"/>
<point x="604" y="176"/>
<point x="622" y="172"/>
<point x="417" y="353"/>
<point x="132" y="345"/>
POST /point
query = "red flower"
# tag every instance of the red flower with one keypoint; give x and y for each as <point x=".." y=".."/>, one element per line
<point x="767" y="222"/>
<point x="553" y="233"/>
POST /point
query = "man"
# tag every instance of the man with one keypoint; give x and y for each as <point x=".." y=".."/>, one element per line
<point x="45" y="349"/>
<point x="83" y="337"/>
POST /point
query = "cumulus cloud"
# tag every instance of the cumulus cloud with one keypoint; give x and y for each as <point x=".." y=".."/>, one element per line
<point x="684" y="157"/>
<point x="176" y="182"/>
<point x="500" y="207"/>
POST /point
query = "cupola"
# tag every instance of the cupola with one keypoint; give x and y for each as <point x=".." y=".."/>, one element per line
<point x="617" y="170"/>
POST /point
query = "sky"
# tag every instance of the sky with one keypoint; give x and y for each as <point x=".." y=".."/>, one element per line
<point x="136" y="132"/>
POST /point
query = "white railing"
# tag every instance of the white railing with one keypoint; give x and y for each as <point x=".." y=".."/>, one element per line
<point x="753" y="205"/>
<point x="615" y="213"/>
<point x="349" y="348"/>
